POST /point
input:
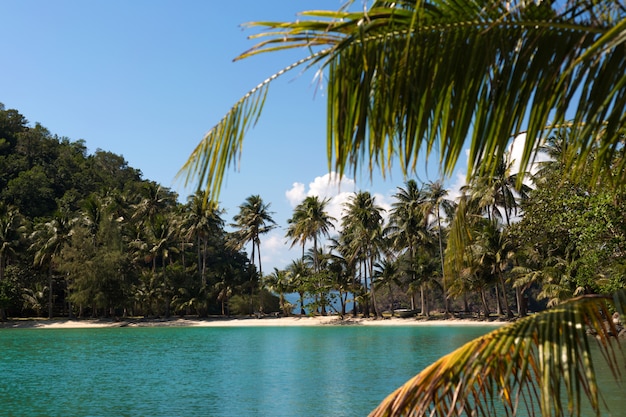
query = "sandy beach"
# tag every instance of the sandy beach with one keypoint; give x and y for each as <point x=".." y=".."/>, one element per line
<point x="237" y="322"/>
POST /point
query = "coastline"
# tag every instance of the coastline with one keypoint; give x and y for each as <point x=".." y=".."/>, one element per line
<point x="239" y="322"/>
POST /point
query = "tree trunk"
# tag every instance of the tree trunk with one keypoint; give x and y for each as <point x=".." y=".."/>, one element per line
<point x="498" y="302"/>
<point x="443" y="274"/>
<point x="507" y="309"/>
<point x="484" y="300"/>
<point x="302" y="313"/>
<point x="50" y="298"/>
<point x="392" y="300"/>
<point x="423" y="300"/>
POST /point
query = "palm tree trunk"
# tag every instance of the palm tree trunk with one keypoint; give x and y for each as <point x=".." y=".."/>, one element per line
<point x="498" y="301"/>
<point x="301" y="294"/>
<point x="507" y="309"/>
<point x="392" y="300"/>
<point x="374" y="306"/>
<point x="425" y="306"/>
<point x="258" y="246"/>
<point x="50" y="298"/>
<point x="443" y="274"/>
<point x="485" y="305"/>
<point x="204" y="261"/>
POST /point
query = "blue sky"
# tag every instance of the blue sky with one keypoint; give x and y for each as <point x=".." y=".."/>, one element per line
<point x="147" y="78"/>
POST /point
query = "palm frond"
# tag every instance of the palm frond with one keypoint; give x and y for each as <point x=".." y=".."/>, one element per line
<point x="531" y="363"/>
<point x="425" y="77"/>
<point x="222" y="145"/>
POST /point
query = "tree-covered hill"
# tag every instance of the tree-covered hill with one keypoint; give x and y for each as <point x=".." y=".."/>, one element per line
<point x="85" y="234"/>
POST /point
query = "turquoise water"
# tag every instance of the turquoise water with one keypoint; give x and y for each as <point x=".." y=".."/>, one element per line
<point x="243" y="371"/>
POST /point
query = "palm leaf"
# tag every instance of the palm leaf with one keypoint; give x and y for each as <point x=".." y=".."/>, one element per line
<point x="413" y="77"/>
<point x="528" y="365"/>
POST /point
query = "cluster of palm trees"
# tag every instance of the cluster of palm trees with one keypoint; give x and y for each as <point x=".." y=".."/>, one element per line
<point x="382" y="261"/>
<point x="122" y="253"/>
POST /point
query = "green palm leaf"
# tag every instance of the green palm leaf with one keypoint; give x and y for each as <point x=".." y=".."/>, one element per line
<point x="413" y="77"/>
<point x="531" y="363"/>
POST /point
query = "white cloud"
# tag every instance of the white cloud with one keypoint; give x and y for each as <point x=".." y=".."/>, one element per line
<point x="296" y="194"/>
<point x="454" y="189"/>
<point x="326" y="186"/>
<point x="330" y="185"/>
<point x="515" y="151"/>
<point x="275" y="251"/>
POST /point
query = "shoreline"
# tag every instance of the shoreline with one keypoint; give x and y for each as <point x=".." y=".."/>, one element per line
<point x="292" y="321"/>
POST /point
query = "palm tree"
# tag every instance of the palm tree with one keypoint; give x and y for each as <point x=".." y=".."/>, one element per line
<point x="202" y="222"/>
<point x="406" y="78"/>
<point x="156" y="245"/>
<point x="12" y="230"/>
<point x="278" y="282"/>
<point x="434" y="201"/>
<point x="386" y="274"/>
<point x="253" y="220"/>
<point x="498" y="194"/>
<point x="310" y="221"/>
<point x="154" y="199"/>
<point x="362" y="225"/>
<point x="496" y="252"/>
<point x="342" y="274"/>
<point x="48" y="239"/>
<point x="345" y="264"/>
<point x="406" y="230"/>
<point x="298" y="274"/>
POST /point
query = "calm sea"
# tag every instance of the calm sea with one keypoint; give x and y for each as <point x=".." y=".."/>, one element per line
<point x="242" y="371"/>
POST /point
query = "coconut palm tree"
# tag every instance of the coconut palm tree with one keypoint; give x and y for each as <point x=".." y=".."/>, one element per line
<point x="310" y="221"/>
<point x="12" y="231"/>
<point x="153" y="199"/>
<point x="345" y="264"/>
<point x="498" y="194"/>
<point x="253" y="220"/>
<point x="496" y="252"/>
<point x="48" y="239"/>
<point x="278" y="282"/>
<point x="156" y="245"/>
<point x="298" y="274"/>
<point x="202" y="222"/>
<point x="407" y="231"/>
<point x="362" y="226"/>
<point x="435" y="201"/>
<point x="387" y="274"/>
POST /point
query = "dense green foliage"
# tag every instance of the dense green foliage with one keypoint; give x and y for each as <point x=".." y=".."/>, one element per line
<point x="86" y="235"/>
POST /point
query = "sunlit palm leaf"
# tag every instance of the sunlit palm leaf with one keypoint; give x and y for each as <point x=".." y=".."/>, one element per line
<point x="530" y="365"/>
<point x="407" y="78"/>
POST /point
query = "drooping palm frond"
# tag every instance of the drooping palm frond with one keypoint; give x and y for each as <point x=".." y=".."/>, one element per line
<point x="528" y="365"/>
<point x="410" y="77"/>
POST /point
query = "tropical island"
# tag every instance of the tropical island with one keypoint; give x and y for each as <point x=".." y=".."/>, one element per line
<point x="85" y="236"/>
<point x="540" y="245"/>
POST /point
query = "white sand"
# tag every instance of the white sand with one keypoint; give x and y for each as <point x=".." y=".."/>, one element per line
<point x="241" y="322"/>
